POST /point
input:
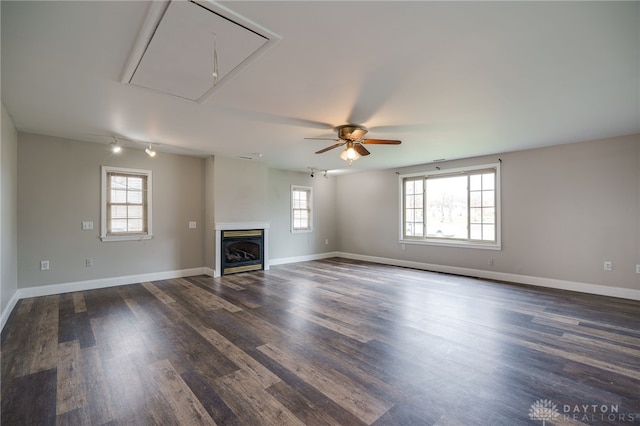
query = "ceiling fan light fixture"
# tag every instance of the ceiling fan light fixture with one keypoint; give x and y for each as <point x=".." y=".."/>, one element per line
<point x="349" y="154"/>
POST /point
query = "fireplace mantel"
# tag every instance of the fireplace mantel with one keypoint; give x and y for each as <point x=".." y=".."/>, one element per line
<point x="227" y="226"/>
<point x="231" y="226"/>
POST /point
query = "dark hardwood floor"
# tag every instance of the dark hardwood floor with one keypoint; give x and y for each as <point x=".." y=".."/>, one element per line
<point x="334" y="342"/>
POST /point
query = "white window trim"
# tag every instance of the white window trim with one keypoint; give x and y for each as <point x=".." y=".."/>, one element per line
<point x="103" y="205"/>
<point x="497" y="245"/>
<point x="310" y="190"/>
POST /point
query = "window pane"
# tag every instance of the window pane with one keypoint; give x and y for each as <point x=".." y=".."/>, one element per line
<point x="127" y="203"/>
<point x="118" y="196"/>
<point x="475" y="182"/>
<point x="409" y="187"/>
<point x="488" y="198"/>
<point x="135" y="183"/>
<point x="447" y="207"/>
<point x="488" y="232"/>
<point x="460" y="205"/>
<point x="475" y="232"/>
<point x="135" y="212"/>
<point x="475" y="199"/>
<point x="489" y="215"/>
<point x="118" y="212"/>
<point x="410" y="216"/>
<point x="301" y="209"/>
<point x="489" y="181"/>
<point x="118" y="182"/>
<point x="475" y="215"/>
<point x="135" y="225"/>
<point x="134" y="197"/>
<point x="119" y="225"/>
<point x="409" y="202"/>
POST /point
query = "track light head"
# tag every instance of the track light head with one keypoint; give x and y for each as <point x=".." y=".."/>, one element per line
<point x="150" y="152"/>
<point x="115" y="148"/>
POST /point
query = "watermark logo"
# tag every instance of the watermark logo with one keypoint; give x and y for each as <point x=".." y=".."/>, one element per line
<point x="544" y="410"/>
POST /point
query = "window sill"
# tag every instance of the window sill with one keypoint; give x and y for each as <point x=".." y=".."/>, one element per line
<point x="126" y="238"/>
<point x="456" y="244"/>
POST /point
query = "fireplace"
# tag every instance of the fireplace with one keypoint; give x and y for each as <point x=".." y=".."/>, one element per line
<point x="242" y="251"/>
<point x="227" y="233"/>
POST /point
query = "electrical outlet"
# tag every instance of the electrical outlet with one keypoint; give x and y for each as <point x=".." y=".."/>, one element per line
<point x="88" y="262"/>
<point x="638" y="269"/>
<point x="44" y="265"/>
<point x="326" y="241"/>
<point x="403" y="247"/>
<point x="608" y="266"/>
<point x="193" y="225"/>
<point x="490" y="262"/>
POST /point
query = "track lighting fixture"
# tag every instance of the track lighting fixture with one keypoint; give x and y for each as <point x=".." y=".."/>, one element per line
<point x="115" y="147"/>
<point x="314" y="170"/>
<point x="214" y="74"/>
<point x="150" y="152"/>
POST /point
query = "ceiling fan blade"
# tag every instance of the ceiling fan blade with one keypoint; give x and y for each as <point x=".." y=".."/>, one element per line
<point x="358" y="133"/>
<point x="381" y="141"/>
<point x="324" y="139"/>
<point x="330" y="148"/>
<point x="360" y="149"/>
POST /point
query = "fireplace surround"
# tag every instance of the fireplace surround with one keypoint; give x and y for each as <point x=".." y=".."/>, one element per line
<point x="241" y="247"/>
<point x="242" y="251"/>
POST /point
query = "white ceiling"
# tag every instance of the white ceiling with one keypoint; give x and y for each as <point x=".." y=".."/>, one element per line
<point x="450" y="79"/>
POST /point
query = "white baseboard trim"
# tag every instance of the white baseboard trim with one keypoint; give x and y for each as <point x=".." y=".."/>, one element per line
<point x="9" y="308"/>
<point x="624" y="293"/>
<point x="48" y="290"/>
<point x="285" y="260"/>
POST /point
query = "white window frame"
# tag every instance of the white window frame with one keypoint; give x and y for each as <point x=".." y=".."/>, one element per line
<point x="104" y="236"/>
<point x="309" y="191"/>
<point x="489" y="245"/>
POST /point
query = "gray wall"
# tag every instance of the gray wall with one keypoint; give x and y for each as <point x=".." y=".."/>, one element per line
<point x="240" y="190"/>
<point x="285" y="244"/>
<point x="8" y="211"/>
<point x="59" y="187"/>
<point x="566" y="209"/>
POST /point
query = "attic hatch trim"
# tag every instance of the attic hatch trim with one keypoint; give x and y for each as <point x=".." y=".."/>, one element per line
<point x="153" y="19"/>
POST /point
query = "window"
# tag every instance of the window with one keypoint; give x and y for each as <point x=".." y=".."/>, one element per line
<point x="126" y="204"/>
<point x="453" y="207"/>
<point x="301" y="213"/>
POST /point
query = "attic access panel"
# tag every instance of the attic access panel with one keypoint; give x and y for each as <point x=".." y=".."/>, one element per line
<point x="175" y="50"/>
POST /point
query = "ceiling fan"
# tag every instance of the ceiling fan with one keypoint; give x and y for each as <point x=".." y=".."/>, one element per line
<point x="351" y="136"/>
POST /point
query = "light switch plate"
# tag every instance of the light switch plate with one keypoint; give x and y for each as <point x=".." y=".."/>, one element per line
<point x="193" y="225"/>
<point x="87" y="225"/>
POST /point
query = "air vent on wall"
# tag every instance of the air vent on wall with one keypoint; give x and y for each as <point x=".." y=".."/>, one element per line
<point x="174" y="52"/>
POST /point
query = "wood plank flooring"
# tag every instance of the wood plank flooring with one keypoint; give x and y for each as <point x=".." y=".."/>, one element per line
<point x="331" y="342"/>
